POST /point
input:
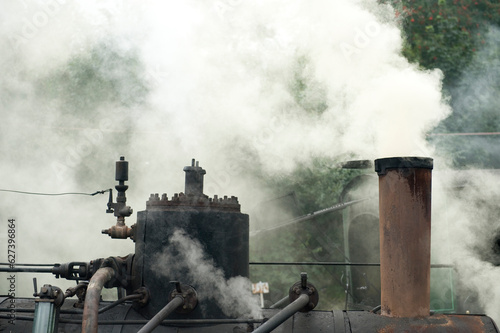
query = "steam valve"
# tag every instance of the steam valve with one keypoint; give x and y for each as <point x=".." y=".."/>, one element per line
<point x="119" y="208"/>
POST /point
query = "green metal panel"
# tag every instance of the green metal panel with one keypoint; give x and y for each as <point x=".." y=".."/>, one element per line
<point x="442" y="290"/>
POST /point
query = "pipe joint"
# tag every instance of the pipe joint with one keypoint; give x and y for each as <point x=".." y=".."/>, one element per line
<point x="303" y="287"/>
<point x="188" y="295"/>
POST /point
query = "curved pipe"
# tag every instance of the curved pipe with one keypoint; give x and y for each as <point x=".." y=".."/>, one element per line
<point x="91" y="307"/>
<point x="162" y="314"/>
<point x="284" y="314"/>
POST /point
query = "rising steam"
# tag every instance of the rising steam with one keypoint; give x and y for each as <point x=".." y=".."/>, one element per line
<point x="246" y="87"/>
<point x="185" y="254"/>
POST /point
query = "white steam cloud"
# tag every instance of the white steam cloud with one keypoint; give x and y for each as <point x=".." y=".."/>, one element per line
<point x="185" y="254"/>
<point x="246" y="87"/>
<point x="466" y="226"/>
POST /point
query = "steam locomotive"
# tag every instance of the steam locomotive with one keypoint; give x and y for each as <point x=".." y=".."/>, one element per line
<point x="191" y="263"/>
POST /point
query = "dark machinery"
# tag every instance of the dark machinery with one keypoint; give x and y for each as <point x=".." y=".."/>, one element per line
<point x="188" y="272"/>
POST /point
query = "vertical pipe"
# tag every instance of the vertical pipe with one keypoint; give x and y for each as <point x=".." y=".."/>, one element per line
<point x="92" y="298"/>
<point x="405" y="235"/>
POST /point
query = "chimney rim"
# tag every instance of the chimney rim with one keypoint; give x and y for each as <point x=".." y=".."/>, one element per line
<point x="383" y="164"/>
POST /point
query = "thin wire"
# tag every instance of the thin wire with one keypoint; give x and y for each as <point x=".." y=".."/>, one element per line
<point x="56" y="194"/>
<point x="16" y="264"/>
<point x="464" y="134"/>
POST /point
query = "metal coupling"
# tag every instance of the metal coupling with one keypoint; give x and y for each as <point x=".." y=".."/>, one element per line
<point x="188" y="294"/>
<point x="119" y="231"/>
<point x="304" y="287"/>
<point x="49" y="293"/>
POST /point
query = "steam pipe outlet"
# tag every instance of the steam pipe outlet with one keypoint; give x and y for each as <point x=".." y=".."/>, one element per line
<point x="91" y="307"/>
<point x="303" y="297"/>
<point x="158" y="318"/>
<point x="284" y="314"/>
<point x="183" y="299"/>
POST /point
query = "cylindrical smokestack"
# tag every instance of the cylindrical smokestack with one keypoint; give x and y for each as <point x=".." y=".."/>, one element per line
<point x="194" y="179"/>
<point x="405" y="235"/>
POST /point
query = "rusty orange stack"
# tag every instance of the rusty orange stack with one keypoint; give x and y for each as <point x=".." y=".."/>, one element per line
<point x="405" y="235"/>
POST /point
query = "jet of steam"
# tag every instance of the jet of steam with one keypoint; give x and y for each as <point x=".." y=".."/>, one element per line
<point x="186" y="254"/>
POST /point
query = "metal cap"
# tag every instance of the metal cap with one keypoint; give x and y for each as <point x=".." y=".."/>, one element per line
<point x="382" y="164"/>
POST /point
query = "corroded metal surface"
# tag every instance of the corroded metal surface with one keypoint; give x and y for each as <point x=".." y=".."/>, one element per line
<point x="193" y="197"/>
<point x="405" y="236"/>
<point x="182" y="201"/>
<point x="91" y="307"/>
<point x="125" y="319"/>
<point x="363" y="321"/>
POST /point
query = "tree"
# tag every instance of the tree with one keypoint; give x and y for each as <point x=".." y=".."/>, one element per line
<point x="460" y="38"/>
<point x="445" y="34"/>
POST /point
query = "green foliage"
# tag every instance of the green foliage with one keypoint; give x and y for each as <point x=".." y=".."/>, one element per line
<point x="308" y="93"/>
<point x="445" y="34"/>
<point x="474" y="98"/>
<point x="85" y="100"/>
<point x="317" y="184"/>
<point x="460" y="38"/>
<point x="106" y="74"/>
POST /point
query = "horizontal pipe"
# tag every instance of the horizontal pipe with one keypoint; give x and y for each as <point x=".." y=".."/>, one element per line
<point x="332" y="263"/>
<point x="170" y="322"/>
<point x="284" y="314"/>
<point x="36" y="265"/>
<point x="80" y="311"/>
<point x="25" y="270"/>
<point x="314" y="263"/>
<point x="162" y="314"/>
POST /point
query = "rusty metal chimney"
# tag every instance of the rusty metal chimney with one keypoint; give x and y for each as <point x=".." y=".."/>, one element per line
<point x="405" y="235"/>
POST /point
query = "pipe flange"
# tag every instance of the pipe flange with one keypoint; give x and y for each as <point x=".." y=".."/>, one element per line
<point x="144" y="292"/>
<point x="298" y="289"/>
<point x="189" y="296"/>
<point x="51" y="294"/>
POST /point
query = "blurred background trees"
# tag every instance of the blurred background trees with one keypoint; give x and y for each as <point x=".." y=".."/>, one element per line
<point x="460" y="38"/>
